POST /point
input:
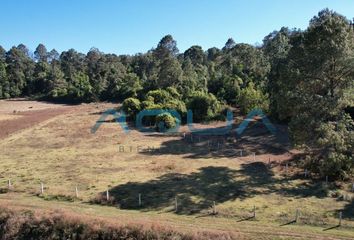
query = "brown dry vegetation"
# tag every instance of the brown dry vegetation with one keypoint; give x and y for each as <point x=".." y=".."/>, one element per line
<point x="28" y="224"/>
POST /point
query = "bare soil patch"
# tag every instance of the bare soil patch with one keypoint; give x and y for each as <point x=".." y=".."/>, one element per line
<point x="19" y="114"/>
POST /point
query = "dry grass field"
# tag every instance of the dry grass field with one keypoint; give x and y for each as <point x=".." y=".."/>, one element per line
<point x="53" y="144"/>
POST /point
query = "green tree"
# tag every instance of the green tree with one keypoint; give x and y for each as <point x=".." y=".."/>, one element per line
<point x="170" y="73"/>
<point x="2" y="54"/>
<point x="250" y="62"/>
<point x="97" y="70"/>
<point x="195" y="54"/>
<point x="190" y="81"/>
<point x="4" y="84"/>
<point x="58" y="87"/>
<point x="252" y="98"/>
<point x="213" y="53"/>
<point x="80" y="88"/>
<point x="72" y="62"/>
<point x="53" y="55"/>
<point x="131" y="86"/>
<point x="230" y="43"/>
<point x="276" y="47"/>
<point x="19" y="68"/>
<point x="320" y="74"/>
<point x="335" y="147"/>
<point x="116" y="73"/>
<point x="41" y="53"/>
<point x="167" y="67"/>
<point x="167" y="47"/>
<point x="40" y="83"/>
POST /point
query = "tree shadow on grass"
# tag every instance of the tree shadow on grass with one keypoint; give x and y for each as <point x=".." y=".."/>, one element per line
<point x="195" y="192"/>
<point x="348" y="211"/>
<point x="255" y="139"/>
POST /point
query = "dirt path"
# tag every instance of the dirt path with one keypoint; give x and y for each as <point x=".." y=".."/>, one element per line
<point x="16" y="115"/>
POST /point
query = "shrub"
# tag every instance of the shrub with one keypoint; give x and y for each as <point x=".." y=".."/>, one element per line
<point x="165" y="121"/>
<point x="159" y="96"/>
<point x="173" y="92"/>
<point x="334" y="158"/>
<point x="164" y="99"/>
<point x="204" y="106"/>
<point x="177" y="105"/>
<point x="50" y="225"/>
<point x="149" y="104"/>
<point x="131" y="106"/>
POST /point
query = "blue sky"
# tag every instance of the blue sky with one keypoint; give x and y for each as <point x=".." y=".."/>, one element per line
<point x="132" y="26"/>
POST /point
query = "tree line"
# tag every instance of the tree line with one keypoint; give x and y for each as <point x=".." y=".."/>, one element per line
<point x="300" y="77"/>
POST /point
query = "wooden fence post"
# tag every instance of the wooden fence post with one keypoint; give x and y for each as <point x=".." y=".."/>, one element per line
<point x="139" y="199"/>
<point x="254" y="211"/>
<point x="176" y="204"/>
<point x="107" y="195"/>
<point x="9" y="183"/>
<point x="340" y="218"/>
<point x="286" y="168"/>
<point x="42" y="188"/>
<point x="297" y="215"/>
<point x="76" y="192"/>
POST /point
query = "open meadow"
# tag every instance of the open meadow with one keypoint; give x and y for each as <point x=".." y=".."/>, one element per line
<point x="219" y="183"/>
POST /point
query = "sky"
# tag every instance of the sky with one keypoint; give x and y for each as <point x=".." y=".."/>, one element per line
<point x="133" y="26"/>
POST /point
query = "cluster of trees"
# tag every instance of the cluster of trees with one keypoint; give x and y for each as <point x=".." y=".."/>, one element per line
<point x="302" y="77"/>
<point x="97" y="76"/>
<point x="311" y="85"/>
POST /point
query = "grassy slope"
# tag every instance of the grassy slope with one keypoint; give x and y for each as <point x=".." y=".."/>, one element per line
<point x="185" y="223"/>
<point x="63" y="153"/>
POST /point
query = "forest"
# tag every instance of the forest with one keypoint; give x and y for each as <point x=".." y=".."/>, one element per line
<point x="303" y="78"/>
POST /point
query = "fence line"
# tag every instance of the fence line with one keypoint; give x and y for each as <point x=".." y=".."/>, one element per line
<point x="178" y="203"/>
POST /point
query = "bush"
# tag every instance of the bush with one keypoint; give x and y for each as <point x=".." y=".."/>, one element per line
<point x="334" y="157"/>
<point x="164" y="99"/>
<point x="150" y="104"/>
<point x="159" y="96"/>
<point x="173" y="92"/>
<point x="251" y="98"/>
<point x="204" y="106"/>
<point x="165" y="121"/>
<point x="177" y="105"/>
<point x="50" y="225"/>
<point x="131" y="106"/>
